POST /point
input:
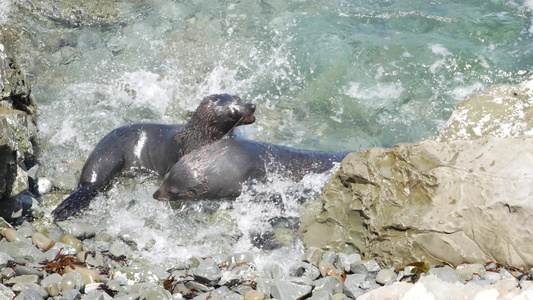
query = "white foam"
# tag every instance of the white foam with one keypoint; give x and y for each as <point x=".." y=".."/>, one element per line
<point x="381" y="90"/>
<point x="5" y="9"/>
<point x="439" y="49"/>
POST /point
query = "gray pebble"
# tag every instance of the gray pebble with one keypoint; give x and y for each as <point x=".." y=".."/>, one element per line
<point x="352" y="285"/>
<point x="447" y="274"/>
<point x="29" y="295"/>
<point x="193" y="285"/>
<point x="313" y="256"/>
<point x="208" y="271"/>
<point x="23" y="279"/>
<point x="20" y="287"/>
<point x="24" y="270"/>
<point x="288" y="290"/>
<point x="331" y="285"/>
<point x="386" y="276"/>
<point x="322" y="295"/>
<point x="358" y="268"/>
<point x="73" y="281"/>
<point x="492" y="277"/>
<point x="4" y="259"/>
<point x="24" y="250"/>
<point x="8" y="272"/>
<point x="128" y="297"/>
<point x="71" y="294"/>
<point x="330" y="257"/>
<point x="50" y="279"/>
<point x="372" y="265"/>
<point x="303" y="269"/>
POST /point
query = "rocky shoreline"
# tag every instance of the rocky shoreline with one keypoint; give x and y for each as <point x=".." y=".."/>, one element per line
<point x="404" y="253"/>
<point x="76" y="260"/>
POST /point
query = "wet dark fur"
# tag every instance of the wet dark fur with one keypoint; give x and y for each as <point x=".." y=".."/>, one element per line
<point x="217" y="170"/>
<point x="154" y="148"/>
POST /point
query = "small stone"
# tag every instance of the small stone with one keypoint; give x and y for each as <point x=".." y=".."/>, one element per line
<point x="386" y="276"/>
<point x="493" y="277"/>
<point x="4" y="259"/>
<point x="208" y="271"/>
<point x="303" y="269"/>
<point x="506" y="275"/>
<point x="89" y="276"/>
<point x="358" y="268"/>
<point x="193" y="285"/>
<point x="372" y="265"/>
<point x="103" y="237"/>
<point x="348" y="260"/>
<point x="339" y="296"/>
<point x="41" y="241"/>
<point x="73" y="281"/>
<point x="52" y="289"/>
<point x="13" y="236"/>
<point x="322" y="295"/>
<point x="330" y="257"/>
<point x="30" y="295"/>
<point x="8" y="273"/>
<point x="352" y="285"/>
<point x="23" y="287"/>
<point x="313" y="256"/>
<point x="466" y="271"/>
<point x="288" y="290"/>
<point x="71" y="294"/>
<point x="26" y="231"/>
<point x="101" y="295"/>
<point x="119" y="249"/>
<point x="331" y="285"/>
<point x="254" y="295"/>
<point x="323" y="266"/>
<point x="23" y="279"/>
<point x="447" y="274"/>
<point x="6" y="292"/>
<point x="128" y="297"/>
<point x="27" y="270"/>
<point x="72" y="241"/>
<point x="51" y="279"/>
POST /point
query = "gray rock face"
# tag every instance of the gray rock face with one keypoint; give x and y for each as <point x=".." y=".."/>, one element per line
<point x="435" y="201"/>
<point x="18" y="131"/>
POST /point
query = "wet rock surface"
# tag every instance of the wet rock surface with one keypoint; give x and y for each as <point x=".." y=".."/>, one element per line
<point x="18" y="135"/>
<point x="437" y="201"/>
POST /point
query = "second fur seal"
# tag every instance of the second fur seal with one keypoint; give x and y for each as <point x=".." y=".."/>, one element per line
<point x="218" y="170"/>
<point x="154" y="148"/>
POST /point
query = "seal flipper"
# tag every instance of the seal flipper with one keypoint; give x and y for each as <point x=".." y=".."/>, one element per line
<point x="74" y="203"/>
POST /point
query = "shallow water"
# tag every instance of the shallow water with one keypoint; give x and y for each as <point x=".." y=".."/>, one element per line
<point x="325" y="75"/>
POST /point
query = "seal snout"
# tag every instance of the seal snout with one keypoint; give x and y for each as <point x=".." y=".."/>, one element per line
<point x="249" y="114"/>
<point x="160" y="196"/>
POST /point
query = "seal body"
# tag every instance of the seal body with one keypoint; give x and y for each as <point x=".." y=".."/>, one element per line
<point x="154" y="148"/>
<point x="218" y="170"/>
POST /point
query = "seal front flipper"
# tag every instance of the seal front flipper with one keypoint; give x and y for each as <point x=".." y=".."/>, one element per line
<point x="74" y="203"/>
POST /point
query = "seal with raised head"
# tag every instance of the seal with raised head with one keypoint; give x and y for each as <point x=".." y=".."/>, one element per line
<point x="154" y="148"/>
<point x="218" y="170"/>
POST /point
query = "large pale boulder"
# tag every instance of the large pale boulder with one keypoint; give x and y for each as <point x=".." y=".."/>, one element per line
<point x="468" y="196"/>
<point x="501" y="110"/>
<point x="434" y="202"/>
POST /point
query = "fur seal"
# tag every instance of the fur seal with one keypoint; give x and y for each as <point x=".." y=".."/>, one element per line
<point x="154" y="148"/>
<point x="217" y="170"/>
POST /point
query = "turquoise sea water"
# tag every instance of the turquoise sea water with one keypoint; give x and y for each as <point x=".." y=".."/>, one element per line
<point x="325" y="75"/>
